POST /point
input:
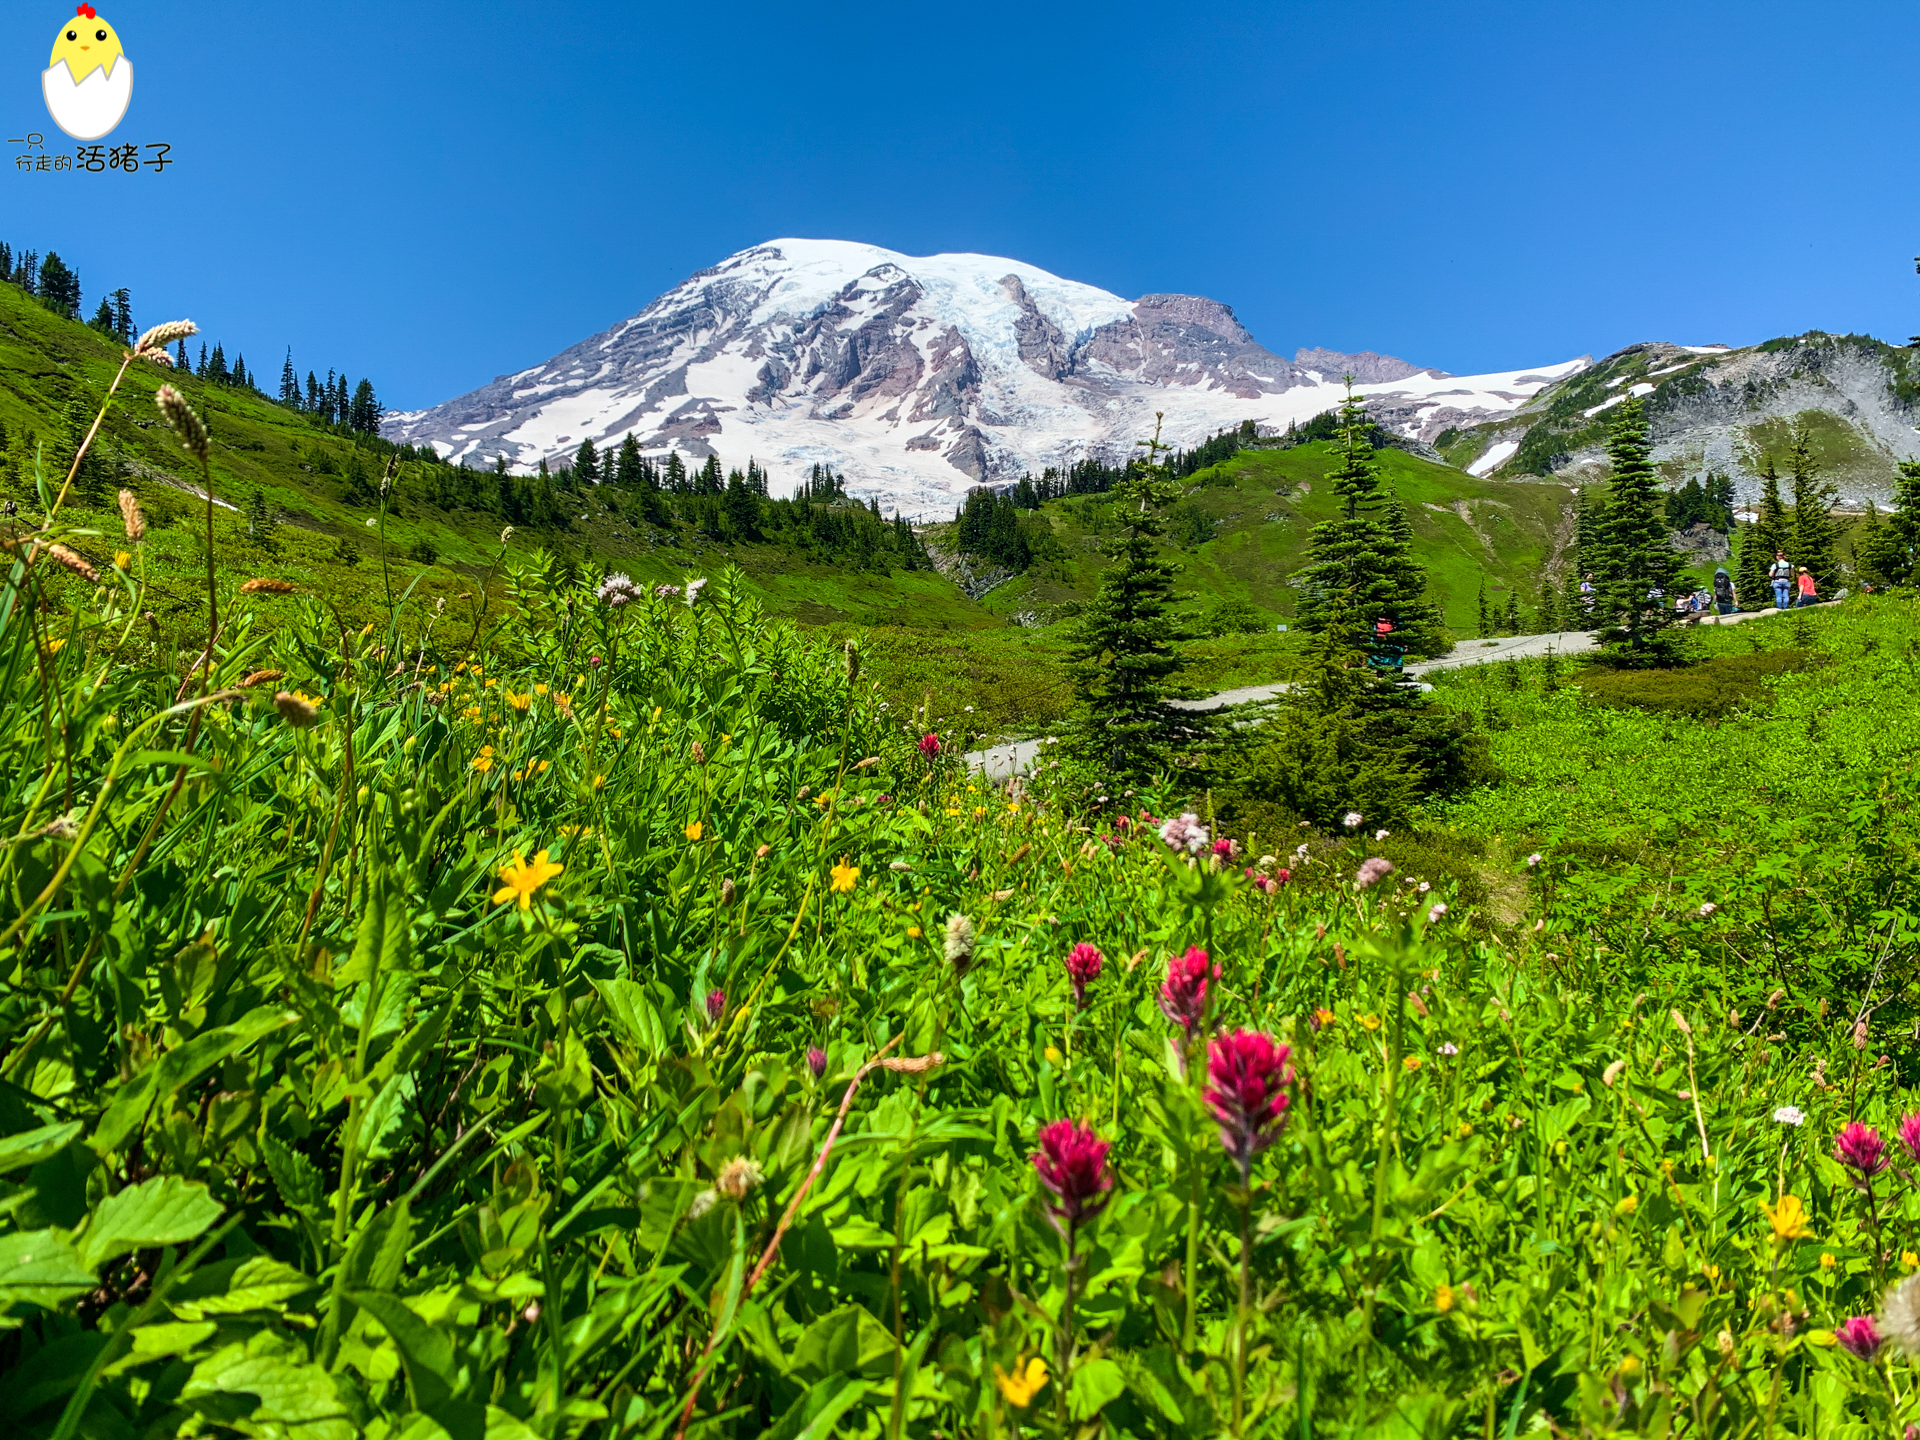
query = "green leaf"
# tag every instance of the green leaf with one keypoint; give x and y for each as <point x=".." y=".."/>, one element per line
<point x="1094" y="1384"/>
<point x="42" y="1267"/>
<point x="294" y="1176"/>
<point x="379" y="1248"/>
<point x="633" y="1015"/>
<point x="383" y="940"/>
<point x="165" y="1210"/>
<point x="289" y="1396"/>
<point x="815" y="1414"/>
<point x="234" y="1287"/>
<point x="178" y="1067"/>
<point x="30" y="1147"/>
<point x="426" y="1352"/>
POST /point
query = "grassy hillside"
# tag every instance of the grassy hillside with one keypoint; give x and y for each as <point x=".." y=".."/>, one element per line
<point x="323" y="542"/>
<point x="1243" y="530"/>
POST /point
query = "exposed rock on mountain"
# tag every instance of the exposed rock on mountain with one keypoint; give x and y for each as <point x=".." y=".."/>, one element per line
<point x="1712" y="408"/>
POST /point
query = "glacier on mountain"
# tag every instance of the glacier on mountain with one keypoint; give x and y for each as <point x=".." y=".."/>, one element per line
<point x="919" y="377"/>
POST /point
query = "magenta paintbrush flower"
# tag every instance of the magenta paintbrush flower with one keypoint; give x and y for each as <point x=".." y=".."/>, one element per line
<point x="1083" y="967"/>
<point x="1910" y="1135"/>
<point x="1249" y="1094"/>
<point x="1860" y="1148"/>
<point x="716" y="1005"/>
<point x="1858" y="1336"/>
<point x="816" y="1061"/>
<point x="930" y="746"/>
<point x="1072" y="1163"/>
<point x="1183" y="994"/>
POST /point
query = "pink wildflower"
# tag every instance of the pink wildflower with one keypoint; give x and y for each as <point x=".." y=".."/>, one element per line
<point x="1858" y="1336"/>
<point x="1910" y="1135"/>
<point x="1372" y="871"/>
<point x="1860" y="1148"/>
<point x="1072" y="1163"/>
<point x="1083" y="966"/>
<point x="716" y="1005"/>
<point x="930" y="746"/>
<point x="1183" y="994"/>
<point x="816" y="1061"/>
<point x="1248" y="1096"/>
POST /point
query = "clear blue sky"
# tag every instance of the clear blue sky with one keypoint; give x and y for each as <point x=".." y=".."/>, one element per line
<point x="435" y="194"/>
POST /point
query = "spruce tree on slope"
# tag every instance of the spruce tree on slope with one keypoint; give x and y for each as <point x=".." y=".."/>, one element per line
<point x="1633" y="558"/>
<point x="1123" y="658"/>
<point x="1815" y="535"/>
<point x="1360" y="563"/>
<point x="1891" y="553"/>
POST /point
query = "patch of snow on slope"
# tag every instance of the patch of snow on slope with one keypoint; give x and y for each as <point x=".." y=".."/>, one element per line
<point x="1494" y="458"/>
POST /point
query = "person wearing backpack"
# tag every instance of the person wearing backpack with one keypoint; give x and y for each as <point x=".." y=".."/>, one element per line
<point x="1781" y="574"/>
<point x="1724" y="597"/>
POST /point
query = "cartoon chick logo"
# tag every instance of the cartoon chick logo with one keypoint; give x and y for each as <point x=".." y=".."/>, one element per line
<point x="89" y="80"/>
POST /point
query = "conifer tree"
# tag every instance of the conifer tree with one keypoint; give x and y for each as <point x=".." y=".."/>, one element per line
<point x="586" y="464"/>
<point x="1891" y="552"/>
<point x="103" y="319"/>
<point x="1750" y="566"/>
<point x="180" y="361"/>
<point x="1633" y="559"/>
<point x="217" y="372"/>
<point x="1815" y="535"/>
<point x="1771" y="522"/>
<point x="742" y="508"/>
<point x="1123" y="657"/>
<point x="313" y="404"/>
<point x="123" y="315"/>
<point x="1484" y="622"/>
<point x="1361" y="565"/>
<point x="260" y="520"/>
<point x="1514" y="624"/>
<point x="201" y="372"/>
<point x="289" y="383"/>
<point x="363" y="411"/>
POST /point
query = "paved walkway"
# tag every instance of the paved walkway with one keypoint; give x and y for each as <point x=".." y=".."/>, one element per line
<point x="1003" y="762"/>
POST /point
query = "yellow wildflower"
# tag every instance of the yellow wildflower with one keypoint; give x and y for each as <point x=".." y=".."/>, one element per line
<point x="696" y="830"/>
<point x="844" y="876"/>
<point x="913" y="932"/>
<point x="1323" y="1017"/>
<point x="1053" y="1055"/>
<point x="1910" y="1260"/>
<point x="541" y="688"/>
<point x="1629" y="1367"/>
<point x="1443" y="1298"/>
<point x="1827" y="1262"/>
<point x="1712" y="1272"/>
<point x="1024" y="1383"/>
<point x="599" y="782"/>
<point x="1789" y="1219"/>
<point x="54" y="647"/>
<point x="483" y="762"/>
<point x="519" y="702"/>
<point x="1412" y="1062"/>
<point x="491" y="682"/>
<point x="1370" y="1021"/>
<point x="519" y="880"/>
<point x="979" y="812"/>
<point x="122" y="559"/>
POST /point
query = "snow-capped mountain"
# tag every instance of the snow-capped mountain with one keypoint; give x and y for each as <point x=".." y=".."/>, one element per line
<point x="919" y="377"/>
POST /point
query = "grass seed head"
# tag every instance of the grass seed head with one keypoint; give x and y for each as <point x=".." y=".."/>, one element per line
<point x="188" y="426"/>
<point x="131" y="517"/>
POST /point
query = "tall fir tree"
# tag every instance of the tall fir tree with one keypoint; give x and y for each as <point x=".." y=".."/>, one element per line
<point x="363" y="411"/>
<point x="1124" y="658"/>
<point x="1484" y="621"/>
<point x="289" y="383"/>
<point x="1816" y="537"/>
<point x="1772" y="526"/>
<point x="1361" y="568"/>
<point x="586" y="464"/>
<point x="1752" y="557"/>
<point x="1635" y="568"/>
<point x="1890" y="554"/>
<point x="123" y="315"/>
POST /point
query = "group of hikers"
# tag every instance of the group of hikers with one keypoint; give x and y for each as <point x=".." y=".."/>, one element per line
<point x="1793" y="586"/>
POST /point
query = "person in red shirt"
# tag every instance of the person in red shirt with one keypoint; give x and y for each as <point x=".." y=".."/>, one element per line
<point x="1809" y="595"/>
